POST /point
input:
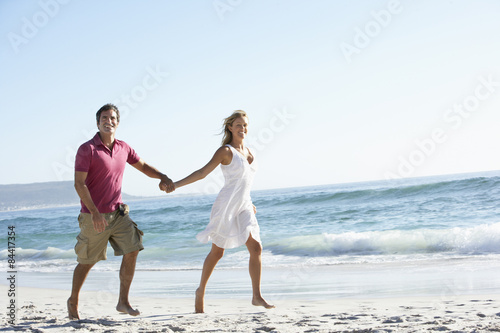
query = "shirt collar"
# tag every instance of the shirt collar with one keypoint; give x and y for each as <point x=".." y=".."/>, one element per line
<point x="96" y="140"/>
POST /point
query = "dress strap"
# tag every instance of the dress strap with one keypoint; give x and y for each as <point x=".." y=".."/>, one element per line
<point x="247" y="148"/>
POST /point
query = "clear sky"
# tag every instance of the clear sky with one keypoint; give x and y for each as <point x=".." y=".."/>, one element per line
<point x="337" y="91"/>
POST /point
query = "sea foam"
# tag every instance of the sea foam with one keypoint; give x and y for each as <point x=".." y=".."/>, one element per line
<point x="482" y="239"/>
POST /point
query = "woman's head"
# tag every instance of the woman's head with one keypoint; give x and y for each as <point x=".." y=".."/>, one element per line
<point x="228" y="124"/>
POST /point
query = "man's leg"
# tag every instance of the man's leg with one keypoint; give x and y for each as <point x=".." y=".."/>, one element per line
<point x="79" y="276"/>
<point x="127" y="271"/>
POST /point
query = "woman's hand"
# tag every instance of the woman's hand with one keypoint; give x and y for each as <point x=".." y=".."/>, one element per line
<point x="166" y="184"/>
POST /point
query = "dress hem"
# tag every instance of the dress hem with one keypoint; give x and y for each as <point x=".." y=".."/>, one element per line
<point x="229" y="243"/>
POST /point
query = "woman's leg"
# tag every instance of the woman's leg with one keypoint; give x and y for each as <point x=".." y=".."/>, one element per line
<point x="255" y="269"/>
<point x="208" y="267"/>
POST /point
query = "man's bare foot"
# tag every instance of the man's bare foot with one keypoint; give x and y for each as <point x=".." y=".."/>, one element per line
<point x="72" y="310"/>
<point x="126" y="308"/>
<point x="259" y="301"/>
<point x="198" y="303"/>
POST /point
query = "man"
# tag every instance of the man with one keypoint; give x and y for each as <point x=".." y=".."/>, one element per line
<point x="99" y="168"/>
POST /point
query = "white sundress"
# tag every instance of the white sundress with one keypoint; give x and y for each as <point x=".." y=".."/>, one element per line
<point x="232" y="219"/>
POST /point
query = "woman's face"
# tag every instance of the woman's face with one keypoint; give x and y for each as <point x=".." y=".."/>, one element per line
<point x="239" y="128"/>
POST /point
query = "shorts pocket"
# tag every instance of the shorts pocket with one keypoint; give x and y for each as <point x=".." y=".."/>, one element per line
<point x="81" y="247"/>
<point x="80" y="219"/>
<point x="138" y="230"/>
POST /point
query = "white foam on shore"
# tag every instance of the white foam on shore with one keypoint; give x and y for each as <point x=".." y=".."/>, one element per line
<point x="481" y="239"/>
<point x="440" y="277"/>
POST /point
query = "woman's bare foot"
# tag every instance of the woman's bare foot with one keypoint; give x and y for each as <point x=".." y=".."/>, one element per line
<point x="259" y="301"/>
<point x="72" y="310"/>
<point x="198" y="303"/>
<point x="126" y="308"/>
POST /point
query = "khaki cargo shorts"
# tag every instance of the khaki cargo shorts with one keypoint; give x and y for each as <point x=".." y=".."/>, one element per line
<point x="121" y="232"/>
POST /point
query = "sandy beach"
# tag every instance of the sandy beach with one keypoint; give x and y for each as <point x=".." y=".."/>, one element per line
<point x="44" y="310"/>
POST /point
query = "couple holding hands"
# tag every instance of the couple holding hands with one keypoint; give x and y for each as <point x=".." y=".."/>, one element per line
<point x="99" y="166"/>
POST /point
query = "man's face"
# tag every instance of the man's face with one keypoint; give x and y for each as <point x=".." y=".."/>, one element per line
<point x="108" y="123"/>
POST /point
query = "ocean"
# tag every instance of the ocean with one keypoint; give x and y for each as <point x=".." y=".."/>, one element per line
<point x="422" y="236"/>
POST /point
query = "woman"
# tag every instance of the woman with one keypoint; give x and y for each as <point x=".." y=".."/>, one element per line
<point x="232" y="221"/>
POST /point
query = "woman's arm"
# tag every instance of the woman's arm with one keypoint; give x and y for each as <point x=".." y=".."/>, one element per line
<point x="222" y="155"/>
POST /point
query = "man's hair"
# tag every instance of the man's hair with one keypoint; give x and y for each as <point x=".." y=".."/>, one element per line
<point x="107" y="107"/>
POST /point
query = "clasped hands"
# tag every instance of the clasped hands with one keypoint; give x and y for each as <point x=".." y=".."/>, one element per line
<point x="166" y="184"/>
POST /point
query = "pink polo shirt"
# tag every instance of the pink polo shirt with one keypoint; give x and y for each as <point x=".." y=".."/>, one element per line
<point x="104" y="171"/>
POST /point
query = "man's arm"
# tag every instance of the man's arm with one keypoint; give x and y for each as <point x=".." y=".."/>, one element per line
<point x="98" y="220"/>
<point x="166" y="183"/>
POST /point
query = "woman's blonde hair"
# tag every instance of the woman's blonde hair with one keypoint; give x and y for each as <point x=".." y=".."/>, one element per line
<point x="228" y="136"/>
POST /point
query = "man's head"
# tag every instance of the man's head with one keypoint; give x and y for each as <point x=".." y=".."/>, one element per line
<point x="108" y="118"/>
<point x="107" y="107"/>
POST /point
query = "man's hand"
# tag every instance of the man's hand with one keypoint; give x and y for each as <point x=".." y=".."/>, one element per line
<point x="166" y="184"/>
<point x="99" y="222"/>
